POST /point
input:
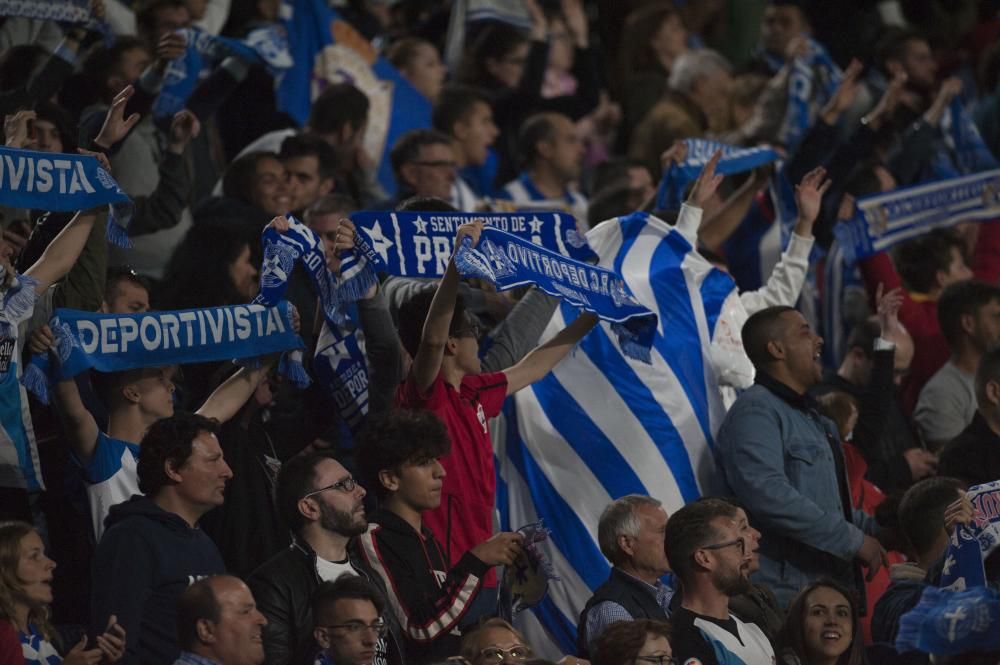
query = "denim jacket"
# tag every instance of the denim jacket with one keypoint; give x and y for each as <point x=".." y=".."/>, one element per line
<point x="775" y="454"/>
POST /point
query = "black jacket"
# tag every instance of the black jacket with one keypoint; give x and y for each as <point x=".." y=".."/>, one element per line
<point x="973" y="456"/>
<point x="432" y="600"/>
<point x="283" y="588"/>
<point x="632" y="594"/>
<point x="145" y="560"/>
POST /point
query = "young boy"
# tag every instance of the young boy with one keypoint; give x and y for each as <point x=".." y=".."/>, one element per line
<point x="399" y="456"/>
<point x="445" y="379"/>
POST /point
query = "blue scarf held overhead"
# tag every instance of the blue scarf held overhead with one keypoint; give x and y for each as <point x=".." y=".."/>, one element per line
<point x="812" y="82"/>
<point x="60" y="11"/>
<point x="883" y="220"/>
<point x="118" y="342"/>
<point x="509" y="261"/>
<point x="734" y="160"/>
<point x="266" y="45"/>
<point x="63" y="182"/>
<point x="971" y="544"/>
<point x="339" y="361"/>
<point x="948" y="622"/>
<point x="966" y="151"/>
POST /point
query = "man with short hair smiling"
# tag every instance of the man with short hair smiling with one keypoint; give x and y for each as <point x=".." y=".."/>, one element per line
<point x="710" y="551"/>
<point x="349" y="625"/>
<point x="218" y="624"/>
<point x="153" y="549"/>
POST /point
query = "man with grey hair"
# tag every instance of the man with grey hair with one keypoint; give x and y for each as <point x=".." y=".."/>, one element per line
<point x="631" y="535"/>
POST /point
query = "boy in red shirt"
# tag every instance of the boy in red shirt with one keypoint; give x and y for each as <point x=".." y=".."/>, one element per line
<point x="445" y="379"/>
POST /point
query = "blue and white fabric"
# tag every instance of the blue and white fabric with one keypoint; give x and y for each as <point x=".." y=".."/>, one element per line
<point x="602" y="425"/>
<point x="966" y="152"/>
<point x="735" y="159"/>
<point x="118" y="342"/>
<point x="948" y="622"/>
<point x="524" y="195"/>
<point x="63" y="182"/>
<point x="37" y="650"/>
<point x="882" y="221"/>
<point x="266" y="45"/>
<point x="60" y="11"/>
<point x="971" y="544"/>
<point x="111" y="477"/>
<point x="811" y="83"/>
<point x="326" y="50"/>
<point x="508" y="261"/>
<point x="19" y="461"/>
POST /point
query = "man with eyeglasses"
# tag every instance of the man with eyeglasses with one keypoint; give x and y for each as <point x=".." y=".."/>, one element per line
<point x="349" y="626"/>
<point x="398" y="452"/>
<point x="424" y="164"/>
<point x="323" y="506"/>
<point x="711" y="554"/>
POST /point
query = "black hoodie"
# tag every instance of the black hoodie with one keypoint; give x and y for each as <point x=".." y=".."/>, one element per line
<point x="145" y="560"/>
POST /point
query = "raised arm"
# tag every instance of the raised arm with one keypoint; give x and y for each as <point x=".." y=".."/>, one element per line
<point x="434" y="338"/>
<point x="59" y="257"/>
<point x="78" y="422"/>
<point x="227" y="400"/>
<point x="543" y="358"/>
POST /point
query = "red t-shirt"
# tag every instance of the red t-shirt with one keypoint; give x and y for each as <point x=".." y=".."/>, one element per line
<point x="11" y="652"/>
<point x="465" y="517"/>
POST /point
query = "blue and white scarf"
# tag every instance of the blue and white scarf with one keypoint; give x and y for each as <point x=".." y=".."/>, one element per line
<point x="118" y="342"/>
<point x="883" y="220"/>
<point x="951" y="622"/>
<point x="339" y="360"/>
<point x="813" y="80"/>
<point x="266" y="45"/>
<point x="734" y="160"/>
<point x="966" y="151"/>
<point x="63" y="182"/>
<point x="60" y="11"/>
<point x="970" y="545"/>
<point x="509" y="261"/>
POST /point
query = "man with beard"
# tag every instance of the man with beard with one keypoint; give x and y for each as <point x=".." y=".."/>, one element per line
<point x="711" y="551"/>
<point x="322" y="505"/>
<point x="783" y="461"/>
<point x="399" y="455"/>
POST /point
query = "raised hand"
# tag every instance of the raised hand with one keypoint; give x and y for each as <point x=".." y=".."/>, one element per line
<point x="808" y="198"/>
<point x="112" y="642"/>
<point x="797" y="47"/>
<point x="706" y="184"/>
<point x="887" y="307"/>
<point x="184" y="126"/>
<point x="280" y="224"/>
<point x="959" y="512"/>
<point x="170" y="47"/>
<point x="576" y="21"/>
<point x="890" y="100"/>
<point x="41" y="339"/>
<point x="471" y="230"/>
<point x="675" y="154"/>
<point x="80" y="655"/>
<point x="18" y="129"/>
<point x="116" y="125"/>
<point x="845" y="94"/>
<point x="500" y="550"/>
<point x="99" y="156"/>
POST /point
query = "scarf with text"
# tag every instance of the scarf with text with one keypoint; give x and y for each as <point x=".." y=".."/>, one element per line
<point x="64" y="182"/>
<point x="734" y="160"/>
<point x="965" y="151"/>
<point x="509" y="261"/>
<point x="883" y="220"/>
<point x="971" y="544"/>
<point x="118" y="342"/>
<point x="811" y="83"/>
<point x="60" y="11"/>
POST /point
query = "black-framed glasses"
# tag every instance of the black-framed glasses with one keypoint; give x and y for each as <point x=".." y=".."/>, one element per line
<point x="379" y="627"/>
<point x="498" y="655"/>
<point x="345" y="485"/>
<point x="657" y="660"/>
<point x="739" y="542"/>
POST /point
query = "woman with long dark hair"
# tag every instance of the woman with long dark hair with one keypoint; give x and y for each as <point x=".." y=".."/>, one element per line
<point x="821" y="628"/>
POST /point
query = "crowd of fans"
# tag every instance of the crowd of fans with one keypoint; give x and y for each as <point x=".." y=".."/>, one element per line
<point x="210" y="513"/>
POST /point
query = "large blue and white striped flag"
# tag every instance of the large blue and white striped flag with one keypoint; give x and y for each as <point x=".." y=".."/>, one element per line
<point x="602" y="425"/>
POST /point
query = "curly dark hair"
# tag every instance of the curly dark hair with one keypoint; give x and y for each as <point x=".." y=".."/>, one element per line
<point x="169" y="441"/>
<point x="395" y="438"/>
<point x="918" y="261"/>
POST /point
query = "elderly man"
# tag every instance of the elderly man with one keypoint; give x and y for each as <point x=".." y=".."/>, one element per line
<point x="630" y="534"/>
<point x="784" y="462"/>
<point x="218" y="622"/>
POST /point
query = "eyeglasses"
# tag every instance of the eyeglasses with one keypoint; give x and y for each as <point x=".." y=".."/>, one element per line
<point x="739" y="542"/>
<point x="437" y="164"/>
<point x="498" y="655"/>
<point x="346" y="485"/>
<point x="657" y="660"/>
<point x="471" y="331"/>
<point x="379" y="627"/>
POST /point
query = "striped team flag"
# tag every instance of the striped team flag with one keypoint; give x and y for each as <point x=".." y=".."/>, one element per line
<point x="602" y="425"/>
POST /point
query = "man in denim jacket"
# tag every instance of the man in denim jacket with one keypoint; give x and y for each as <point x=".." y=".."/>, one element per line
<point x="784" y="463"/>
